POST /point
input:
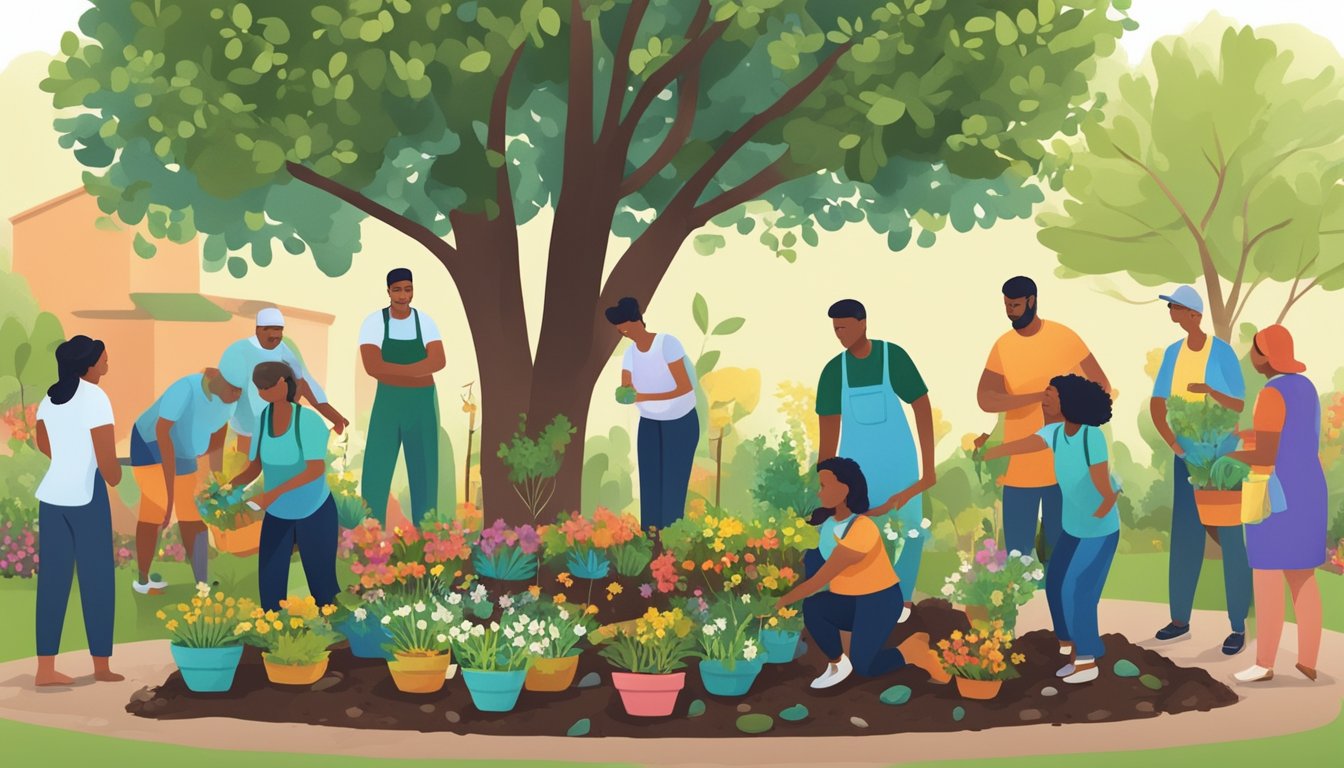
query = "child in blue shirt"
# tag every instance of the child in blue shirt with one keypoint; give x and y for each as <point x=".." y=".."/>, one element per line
<point x="1075" y="410"/>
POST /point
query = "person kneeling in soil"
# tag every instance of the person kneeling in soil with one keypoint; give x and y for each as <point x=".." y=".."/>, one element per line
<point x="864" y="596"/>
<point x="1081" y="561"/>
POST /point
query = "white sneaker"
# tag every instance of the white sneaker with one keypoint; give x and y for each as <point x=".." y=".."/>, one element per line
<point x="1066" y="649"/>
<point x="1065" y="671"/>
<point x="154" y="585"/>
<point x="1254" y="674"/>
<point x="905" y="614"/>
<point x="1085" y="675"/>
<point x="834" y="675"/>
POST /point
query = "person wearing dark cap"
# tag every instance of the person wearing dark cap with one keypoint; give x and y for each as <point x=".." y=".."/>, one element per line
<point x="1289" y="545"/>
<point x="1196" y="368"/>
<point x="656" y="367"/>
<point x="401" y="348"/>
<point x="861" y="400"/>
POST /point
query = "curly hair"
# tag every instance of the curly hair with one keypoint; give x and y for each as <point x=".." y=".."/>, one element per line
<point x="1082" y="401"/>
<point x="848" y="473"/>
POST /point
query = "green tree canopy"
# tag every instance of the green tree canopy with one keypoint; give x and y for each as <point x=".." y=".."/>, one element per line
<point x="260" y="124"/>
<point x="1219" y="161"/>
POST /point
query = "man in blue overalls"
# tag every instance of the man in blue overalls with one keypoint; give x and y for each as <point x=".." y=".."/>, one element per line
<point x="859" y="405"/>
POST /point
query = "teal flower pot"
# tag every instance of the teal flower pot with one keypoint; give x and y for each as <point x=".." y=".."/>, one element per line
<point x="494" y="691"/>
<point x="207" y="670"/>
<point x="366" y="637"/>
<point x="721" y="681"/>
<point x="780" y="646"/>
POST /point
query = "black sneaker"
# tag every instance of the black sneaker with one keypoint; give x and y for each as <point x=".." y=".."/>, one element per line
<point x="1173" y="631"/>
<point x="1234" y="643"/>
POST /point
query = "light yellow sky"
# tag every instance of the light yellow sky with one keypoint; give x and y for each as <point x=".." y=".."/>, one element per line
<point x="942" y="304"/>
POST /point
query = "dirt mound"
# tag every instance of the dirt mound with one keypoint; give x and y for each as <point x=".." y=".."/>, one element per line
<point x="359" y="694"/>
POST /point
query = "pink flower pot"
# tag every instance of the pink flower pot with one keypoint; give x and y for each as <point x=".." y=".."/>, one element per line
<point x="648" y="695"/>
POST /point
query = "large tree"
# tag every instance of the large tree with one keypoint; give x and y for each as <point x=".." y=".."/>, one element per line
<point x="1219" y="161"/>
<point x="642" y="121"/>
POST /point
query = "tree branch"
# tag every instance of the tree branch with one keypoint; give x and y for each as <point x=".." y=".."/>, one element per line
<point x="621" y="63"/>
<point x="1295" y="297"/>
<point x="1268" y="230"/>
<point x="1221" y="171"/>
<point x="697" y="44"/>
<point x="579" y="114"/>
<point x="446" y="253"/>
<point x="768" y="178"/>
<point x="1236" y="316"/>
<point x="497" y="140"/>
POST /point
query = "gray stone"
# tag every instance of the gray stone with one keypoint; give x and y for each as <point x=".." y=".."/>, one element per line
<point x="428" y="709"/>
<point x="590" y="680"/>
<point x="326" y="683"/>
<point x="1190" y="702"/>
<point x="1049" y="691"/>
<point x="1145" y="707"/>
<point x="143" y="695"/>
<point x="1100" y="714"/>
<point x="743" y="708"/>
<point x="452" y="717"/>
<point x="858" y="722"/>
<point x="354" y="712"/>
<point x="1030" y="715"/>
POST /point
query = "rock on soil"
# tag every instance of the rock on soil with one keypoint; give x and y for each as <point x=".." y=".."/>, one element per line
<point x="367" y="689"/>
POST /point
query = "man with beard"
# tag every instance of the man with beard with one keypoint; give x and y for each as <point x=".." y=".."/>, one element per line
<point x="1020" y="367"/>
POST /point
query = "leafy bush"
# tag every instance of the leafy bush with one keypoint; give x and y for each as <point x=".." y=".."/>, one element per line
<point x="533" y="463"/>
<point x="782" y="482"/>
<point x="1206" y="432"/>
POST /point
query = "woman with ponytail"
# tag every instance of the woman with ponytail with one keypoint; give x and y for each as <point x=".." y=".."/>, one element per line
<point x="74" y="430"/>
<point x="289" y="452"/>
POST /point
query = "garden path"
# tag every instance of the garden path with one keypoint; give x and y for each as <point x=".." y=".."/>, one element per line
<point x="1288" y="704"/>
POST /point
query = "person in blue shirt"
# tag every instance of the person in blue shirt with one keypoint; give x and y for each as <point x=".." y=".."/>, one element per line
<point x="1075" y="410"/>
<point x="1196" y="368"/>
<point x="289" y="453"/>
<point x="189" y="420"/>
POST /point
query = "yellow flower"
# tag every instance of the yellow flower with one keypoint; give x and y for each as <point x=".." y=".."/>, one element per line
<point x="436" y="570"/>
<point x="172" y="625"/>
<point x="160" y="615"/>
<point x="591" y="610"/>
<point x="535" y="591"/>
<point x="614" y="589"/>
<point x="718" y="545"/>
<point x="788" y="613"/>
<point x="1018" y="658"/>
<point x="774" y="622"/>
<point x="564" y="578"/>
<point x="559" y="599"/>
<point x="327" y="610"/>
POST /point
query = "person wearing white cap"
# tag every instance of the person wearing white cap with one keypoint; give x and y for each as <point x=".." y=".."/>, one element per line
<point x="267" y="345"/>
<point x="1196" y="368"/>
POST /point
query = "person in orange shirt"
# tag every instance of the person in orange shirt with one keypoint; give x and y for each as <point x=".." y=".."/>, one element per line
<point x="864" y="597"/>
<point x="1016" y="376"/>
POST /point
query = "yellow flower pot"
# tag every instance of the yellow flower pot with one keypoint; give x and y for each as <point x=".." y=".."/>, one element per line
<point x="293" y="674"/>
<point x="551" y="675"/>
<point x="419" y="674"/>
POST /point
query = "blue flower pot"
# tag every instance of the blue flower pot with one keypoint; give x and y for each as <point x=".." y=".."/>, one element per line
<point x="494" y="691"/>
<point x="207" y="670"/>
<point x="721" y="681"/>
<point x="780" y="646"/>
<point x="366" y="638"/>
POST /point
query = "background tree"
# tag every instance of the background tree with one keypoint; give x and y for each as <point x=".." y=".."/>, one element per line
<point x="454" y="123"/>
<point x="1219" y="161"/>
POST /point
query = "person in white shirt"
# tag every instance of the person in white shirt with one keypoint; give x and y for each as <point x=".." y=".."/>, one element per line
<point x="242" y="357"/>
<point x="401" y="348"/>
<point x="75" y="430"/>
<point x="656" y="367"/>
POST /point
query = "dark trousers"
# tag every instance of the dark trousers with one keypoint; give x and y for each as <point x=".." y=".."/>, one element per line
<point x="666" y="452"/>
<point x="1074" y="580"/>
<point x="317" y="536"/>
<point x="74" y="539"/>
<point x="869" y="619"/>
<point x="1022" y="508"/>
<point x="1187" y="556"/>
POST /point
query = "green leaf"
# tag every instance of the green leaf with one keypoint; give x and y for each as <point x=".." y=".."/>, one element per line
<point x="886" y="111"/>
<point x="237" y="267"/>
<point x="729" y="327"/>
<point x="549" y="21"/>
<point x="706" y="245"/>
<point x="242" y="16"/>
<point x="980" y="24"/>
<point x="849" y="141"/>
<point x="370" y="31"/>
<point x="268" y="156"/>
<point x="700" y="312"/>
<point x="476" y="62"/>
<point x="706" y="363"/>
<point x="69" y="43"/>
<point x="327" y="16"/>
<point x="143" y="248"/>
<point x="1004" y="29"/>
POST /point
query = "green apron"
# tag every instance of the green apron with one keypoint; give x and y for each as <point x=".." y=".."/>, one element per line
<point x="403" y="419"/>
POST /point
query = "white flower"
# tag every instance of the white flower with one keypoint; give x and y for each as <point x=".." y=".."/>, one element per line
<point x="965" y="568"/>
<point x="1014" y="553"/>
<point x="422" y="625"/>
<point x="494" y="626"/>
<point x="1026" y="560"/>
<point x="455" y="598"/>
<point x="361" y="614"/>
<point x="749" y="650"/>
<point x="890" y="532"/>
<point x="477" y="630"/>
<point x="564" y="615"/>
<point x="722" y="623"/>
<point x="925" y="523"/>
<point x="580" y="630"/>
<point x="954" y="578"/>
<point x="709" y="630"/>
<point x="519" y="642"/>
<point x="914" y="533"/>
<point x="442" y="638"/>
<point x="202" y="589"/>
<point x="536" y="649"/>
<point x="420" y="606"/>
<point x="1038" y="574"/>
<point x="387" y="620"/>
<point x="479" y="594"/>
<point x="402" y="612"/>
<point x="505" y="602"/>
<point x="555" y="632"/>
<point x="746" y="599"/>
<point x="948" y="589"/>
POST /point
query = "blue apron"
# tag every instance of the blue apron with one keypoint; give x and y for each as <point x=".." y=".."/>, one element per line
<point x="874" y="432"/>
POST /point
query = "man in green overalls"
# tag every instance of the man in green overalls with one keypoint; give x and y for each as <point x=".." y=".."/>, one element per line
<point x="402" y="349"/>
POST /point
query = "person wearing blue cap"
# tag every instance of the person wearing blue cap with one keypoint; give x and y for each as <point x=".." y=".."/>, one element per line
<point x="267" y="346"/>
<point x="189" y="420"/>
<point x="1196" y="368"/>
<point x="401" y="348"/>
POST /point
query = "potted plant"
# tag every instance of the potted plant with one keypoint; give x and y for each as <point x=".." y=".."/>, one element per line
<point x="993" y="585"/>
<point x="980" y="660"/>
<point x="295" y="640"/>
<point x="207" y="638"/>
<point x="1207" y="432"/>
<point x="650" y="655"/>
<point x="235" y="523"/>
<point x="359" y="620"/>
<point x="779" y="636"/>
<point x="419" y="644"/>
<point x="494" y="658"/>
<point x="575" y="539"/>
<point x="567" y="627"/>
<point x="507" y="554"/>
<point x="730" y="657"/>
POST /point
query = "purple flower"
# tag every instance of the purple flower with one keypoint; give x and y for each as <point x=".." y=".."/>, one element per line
<point x="646" y="591"/>
<point x="528" y="540"/>
<point x="493" y="538"/>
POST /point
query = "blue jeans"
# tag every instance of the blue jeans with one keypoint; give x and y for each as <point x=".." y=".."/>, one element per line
<point x="76" y="539"/>
<point x="1187" y="556"/>
<point x="317" y="536"/>
<point x="1022" y="507"/>
<point x="1074" y="579"/>
<point x="666" y="452"/>
<point x="869" y="619"/>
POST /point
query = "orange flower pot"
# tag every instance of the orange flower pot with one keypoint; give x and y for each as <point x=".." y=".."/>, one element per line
<point x="982" y="690"/>
<point x="419" y="674"/>
<point x="241" y="542"/>
<point x="1218" y="508"/>
<point x="551" y="675"/>
<point x="293" y="674"/>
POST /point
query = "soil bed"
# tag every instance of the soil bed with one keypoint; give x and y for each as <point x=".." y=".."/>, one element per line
<point x="360" y="694"/>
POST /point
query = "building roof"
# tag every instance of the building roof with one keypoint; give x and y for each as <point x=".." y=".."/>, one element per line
<point x="198" y="308"/>
<point x="48" y="205"/>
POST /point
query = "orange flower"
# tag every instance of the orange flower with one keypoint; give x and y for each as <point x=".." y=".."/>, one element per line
<point x="688" y="565"/>
<point x="565" y="579"/>
<point x="559" y="599"/>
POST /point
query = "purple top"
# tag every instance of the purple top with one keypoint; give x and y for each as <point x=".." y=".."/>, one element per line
<point x="1295" y="538"/>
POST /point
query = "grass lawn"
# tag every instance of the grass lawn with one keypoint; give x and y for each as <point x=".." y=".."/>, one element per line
<point x="1133" y="577"/>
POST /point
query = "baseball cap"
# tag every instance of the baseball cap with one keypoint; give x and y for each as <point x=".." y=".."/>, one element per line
<point x="235" y="366"/>
<point x="270" y="317"/>
<point x="1187" y="297"/>
<point x="1276" y="344"/>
